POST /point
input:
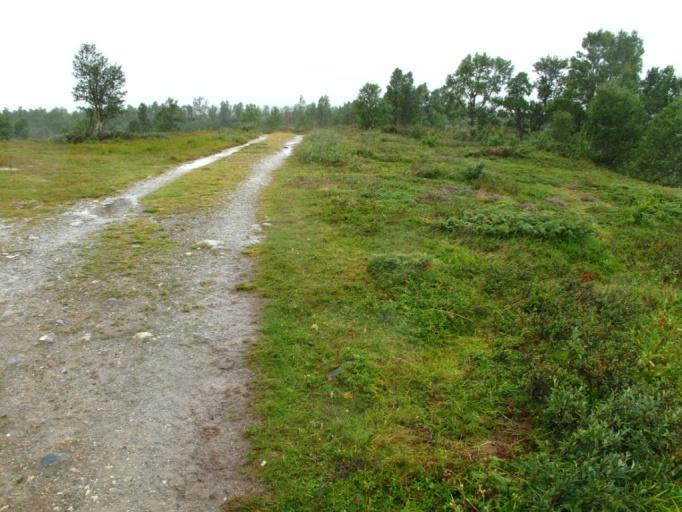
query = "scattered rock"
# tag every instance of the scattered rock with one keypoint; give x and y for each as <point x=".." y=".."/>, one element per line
<point x="529" y="207"/>
<point x="86" y="337"/>
<point x="50" y="458"/>
<point x="588" y="198"/>
<point x="267" y="224"/>
<point x="557" y="201"/>
<point x="50" y="337"/>
<point x="144" y="335"/>
<point x="214" y="245"/>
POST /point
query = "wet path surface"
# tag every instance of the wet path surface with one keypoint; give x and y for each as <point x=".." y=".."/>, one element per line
<point x="27" y="256"/>
<point x="106" y="418"/>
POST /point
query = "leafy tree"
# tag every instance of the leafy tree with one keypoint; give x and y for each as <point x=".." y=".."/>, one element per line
<point x="659" y="88"/>
<point x="169" y="116"/>
<point x="99" y="84"/>
<point x="402" y="99"/>
<point x="516" y="102"/>
<point x="434" y="106"/>
<point x="224" y="115"/>
<point x="369" y="106"/>
<point x="660" y="150"/>
<point x="5" y="126"/>
<point x="477" y="83"/>
<point x="614" y="123"/>
<point x="274" y="119"/>
<point x="237" y="111"/>
<point x="143" y="120"/>
<point x="21" y="128"/>
<point x="551" y="80"/>
<point x="605" y="56"/>
<point x="200" y="108"/>
<point x="323" y="112"/>
<point x="251" y="117"/>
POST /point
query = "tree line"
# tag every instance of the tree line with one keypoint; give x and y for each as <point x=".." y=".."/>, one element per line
<point x="597" y="103"/>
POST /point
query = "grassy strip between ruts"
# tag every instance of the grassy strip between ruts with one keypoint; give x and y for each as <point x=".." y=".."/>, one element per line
<point x="204" y="188"/>
<point x="448" y="329"/>
<point x="39" y="176"/>
<point x="129" y="257"/>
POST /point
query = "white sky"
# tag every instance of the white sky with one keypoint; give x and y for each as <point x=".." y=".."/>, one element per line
<point x="270" y="52"/>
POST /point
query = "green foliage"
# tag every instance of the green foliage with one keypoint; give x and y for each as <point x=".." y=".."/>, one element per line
<point x="402" y="99"/>
<point x="551" y="80"/>
<point x="477" y="83"/>
<point x="561" y="136"/>
<point x="99" y="84"/>
<point x="391" y="271"/>
<point x="605" y="57"/>
<point x="517" y="104"/>
<point x="615" y="121"/>
<point x="168" y="116"/>
<point x="508" y="223"/>
<point x="5" y="127"/>
<point x="474" y="172"/>
<point x="659" y="88"/>
<point x="369" y="106"/>
<point x="323" y="147"/>
<point x="659" y="155"/>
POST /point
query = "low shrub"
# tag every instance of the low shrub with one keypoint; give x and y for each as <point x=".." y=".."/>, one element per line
<point x="474" y="172"/>
<point x="323" y="147"/>
<point x="506" y="223"/>
<point x="391" y="271"/>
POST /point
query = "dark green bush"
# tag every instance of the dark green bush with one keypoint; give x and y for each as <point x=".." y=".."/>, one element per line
<point x="474" y="172"/>
<point x="397" y="270"/>
<point x="501" y="223"/>
<point x="323" y="147"/>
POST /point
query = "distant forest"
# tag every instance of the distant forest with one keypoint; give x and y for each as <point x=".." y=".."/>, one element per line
<point x="597" y="104"/>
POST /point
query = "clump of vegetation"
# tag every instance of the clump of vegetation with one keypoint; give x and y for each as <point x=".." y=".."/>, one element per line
<point x="507" y="223"/>
<point x="474" y="172"/>
<point x="396" y="270"/>
<point x="659" y="156"/>
<point x="322" y="147"/>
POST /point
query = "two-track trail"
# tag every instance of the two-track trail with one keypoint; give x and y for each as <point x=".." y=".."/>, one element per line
<point x="132" y="406"/>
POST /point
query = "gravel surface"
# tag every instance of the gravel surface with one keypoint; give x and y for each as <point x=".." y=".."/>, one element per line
<point x="128" y="404"/>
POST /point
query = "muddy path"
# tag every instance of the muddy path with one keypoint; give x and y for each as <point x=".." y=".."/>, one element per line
<point x="135" y="404"/>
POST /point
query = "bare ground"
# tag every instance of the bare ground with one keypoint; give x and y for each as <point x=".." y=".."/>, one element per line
<point x="101" y="420"/>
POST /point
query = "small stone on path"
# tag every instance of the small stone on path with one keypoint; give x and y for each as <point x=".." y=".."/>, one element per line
<point x="50" y="337"/>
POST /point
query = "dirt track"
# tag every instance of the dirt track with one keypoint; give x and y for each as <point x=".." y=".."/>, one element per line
<point x="101" y="420"/>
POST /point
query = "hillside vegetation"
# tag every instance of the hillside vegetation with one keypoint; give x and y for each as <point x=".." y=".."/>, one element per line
<point x="453" y="326"/>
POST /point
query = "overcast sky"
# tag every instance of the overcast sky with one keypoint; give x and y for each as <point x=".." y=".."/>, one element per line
<point x="270" y="52"/>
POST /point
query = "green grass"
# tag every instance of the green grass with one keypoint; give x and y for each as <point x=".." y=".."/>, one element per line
<point x="51" y="175"/>
<point x="204" y="188"/>
<point x="438" y="339"/>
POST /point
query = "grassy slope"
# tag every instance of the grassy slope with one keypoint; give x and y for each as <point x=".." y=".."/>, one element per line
<point x="406" y="366"/>
<point x="52" y="174"/>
